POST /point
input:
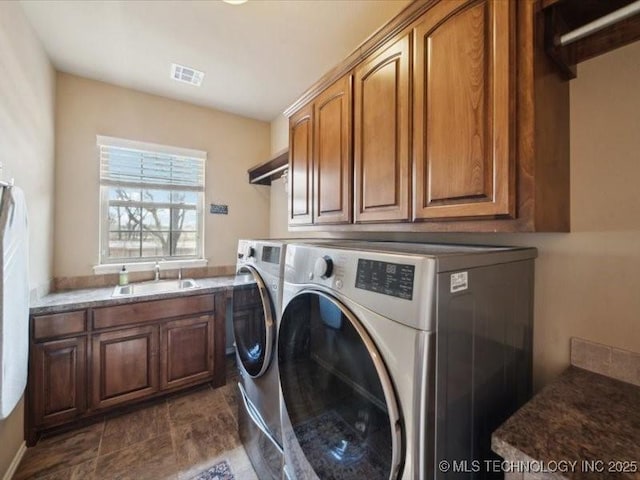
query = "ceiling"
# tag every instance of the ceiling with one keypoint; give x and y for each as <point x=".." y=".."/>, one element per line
<point x="257" y="57"/>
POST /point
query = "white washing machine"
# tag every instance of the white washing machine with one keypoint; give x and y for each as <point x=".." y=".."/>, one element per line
<point x="394" y="356"/>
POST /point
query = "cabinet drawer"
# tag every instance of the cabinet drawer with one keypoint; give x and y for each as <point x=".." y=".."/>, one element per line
<point x="60" y="324"/>
<point x="149" y="311"/>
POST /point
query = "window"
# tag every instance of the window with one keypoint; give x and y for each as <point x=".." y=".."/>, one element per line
<point x="151" y="201"/>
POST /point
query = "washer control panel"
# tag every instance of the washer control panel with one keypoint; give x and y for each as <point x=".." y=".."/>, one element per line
<point x="266" y="256"/>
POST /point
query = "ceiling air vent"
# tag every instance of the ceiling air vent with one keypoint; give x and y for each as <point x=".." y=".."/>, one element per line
<point x="186" y="74"/>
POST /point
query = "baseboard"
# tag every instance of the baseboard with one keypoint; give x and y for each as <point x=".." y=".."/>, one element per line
<point x="13" y="466"/>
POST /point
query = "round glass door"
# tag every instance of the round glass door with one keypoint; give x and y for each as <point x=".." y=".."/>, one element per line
<point x="337" y="391"/>
<point x="253" y="325"/>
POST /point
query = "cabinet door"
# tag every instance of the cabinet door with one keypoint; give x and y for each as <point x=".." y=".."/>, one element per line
<point x="381" y="135"/>
<point x="332" y="159"/>
<point x="301" y="167"/>
<point x="124" y="365"/>
<point x="186" y="351"/>
<point x="463" y="112"/>
<point x="59" y="380"/>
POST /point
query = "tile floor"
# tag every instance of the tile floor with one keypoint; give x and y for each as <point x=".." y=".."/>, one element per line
<point x="176" y="439"/>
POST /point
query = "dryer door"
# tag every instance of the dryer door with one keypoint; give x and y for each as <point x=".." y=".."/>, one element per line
<point x="340" y="414"/>
<point x="253" y="321"/>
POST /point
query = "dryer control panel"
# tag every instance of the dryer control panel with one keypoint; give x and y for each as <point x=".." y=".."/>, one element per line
<point x="397" y="286"/>
<point x="393" y="279"/>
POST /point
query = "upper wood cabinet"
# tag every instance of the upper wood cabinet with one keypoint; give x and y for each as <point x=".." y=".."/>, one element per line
<point x="460" y="124"/>
<point x="300" y="167"/>
<point x="332" y="155"/>
<point x="381" y="134"/>
<point x="462" y="129"/>
<point x="320" y="158"/>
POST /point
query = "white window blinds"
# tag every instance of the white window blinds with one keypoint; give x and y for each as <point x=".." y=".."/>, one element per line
<point x="137" y="164"/>
<point x="151" y="201"/>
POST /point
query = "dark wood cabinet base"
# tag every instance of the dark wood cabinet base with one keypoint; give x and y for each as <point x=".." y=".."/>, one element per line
<point x="122" y="358"/>
<point x="33" y="435"/>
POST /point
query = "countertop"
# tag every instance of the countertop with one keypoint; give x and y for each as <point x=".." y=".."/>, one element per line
<point x="100" y="297"/>
<point x="580" y="417"/>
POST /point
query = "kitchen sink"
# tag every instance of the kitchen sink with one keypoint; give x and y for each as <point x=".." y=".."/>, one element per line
<point x="154" y="287"/>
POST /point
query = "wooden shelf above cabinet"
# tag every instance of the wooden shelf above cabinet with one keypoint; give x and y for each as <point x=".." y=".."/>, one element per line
<point x="266" y="172"/>
<point x="598" y="26"/>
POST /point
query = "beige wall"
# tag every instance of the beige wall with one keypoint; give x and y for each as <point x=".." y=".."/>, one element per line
<point x="278" y="210"/>
<point x="86" y="108"/>
<point x="279" y="134"/>
<point x="278" y="217"/>
<point x="26" y="153"/>
<point x="587" y="281"/>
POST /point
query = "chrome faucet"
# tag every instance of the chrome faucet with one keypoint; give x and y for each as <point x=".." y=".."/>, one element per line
<point x="157" y="270"/>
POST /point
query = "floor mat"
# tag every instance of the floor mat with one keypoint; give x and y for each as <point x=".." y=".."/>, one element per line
<point x="220" y="471"/>
<point x="336" y="451"/>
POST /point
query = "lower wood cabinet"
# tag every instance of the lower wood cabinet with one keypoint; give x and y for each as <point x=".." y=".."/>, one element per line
<point x="186" y="351"/>
<point x="124" y="366"/>
<point x="59" y="380"/>
<point x="120" y="356"/>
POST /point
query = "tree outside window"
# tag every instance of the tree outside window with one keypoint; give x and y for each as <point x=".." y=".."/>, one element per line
<point x="152" y="205"/>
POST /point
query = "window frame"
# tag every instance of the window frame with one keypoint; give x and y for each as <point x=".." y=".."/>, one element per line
<point x="104" y="260"/>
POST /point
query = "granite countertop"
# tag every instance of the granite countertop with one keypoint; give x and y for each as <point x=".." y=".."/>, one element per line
<point x="100" y="297"/>
<point x="582" y="417"/>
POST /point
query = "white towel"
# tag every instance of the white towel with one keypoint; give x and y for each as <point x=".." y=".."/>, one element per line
<point x="14" y="299"/>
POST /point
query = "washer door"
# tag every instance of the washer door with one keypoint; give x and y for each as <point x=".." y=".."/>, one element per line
<point x="253" y="325"/>
<point x="337" y="393"/>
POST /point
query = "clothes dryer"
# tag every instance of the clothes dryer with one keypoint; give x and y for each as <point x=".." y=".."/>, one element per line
<point x="393" y="357"/>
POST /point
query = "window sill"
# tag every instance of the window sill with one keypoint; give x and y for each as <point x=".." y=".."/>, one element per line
<point x="148" y="266"/>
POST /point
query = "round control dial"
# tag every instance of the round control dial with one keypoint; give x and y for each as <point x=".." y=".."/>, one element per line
<point x="323" y="267"/>
<point x="250" y="252"/>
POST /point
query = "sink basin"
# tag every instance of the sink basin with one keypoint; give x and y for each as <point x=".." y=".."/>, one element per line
<point x="154" y="287"/>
